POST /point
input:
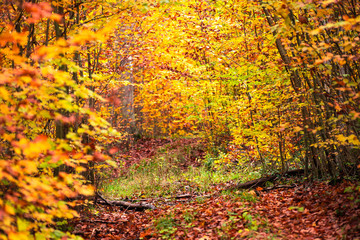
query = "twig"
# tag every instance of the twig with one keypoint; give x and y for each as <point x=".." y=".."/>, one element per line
<point x="127" y="205"/>
<point x="277" y="187"/>
<point x="184" y="196"/>
<point x="101" y="197"/>
<point x="93" y="233"/>
<point x="98" y="221"/>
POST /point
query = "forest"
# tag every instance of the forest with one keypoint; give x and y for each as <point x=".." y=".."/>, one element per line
<point x="179" y="119"/>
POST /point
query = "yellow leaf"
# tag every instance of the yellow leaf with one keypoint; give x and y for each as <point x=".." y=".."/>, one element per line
<point x="328" y="2"/>
<point x="9" y="137"/>
<point x="28" y="166"/>
<point x="315" y="31"/>
<point x="19" y="236"/>
<point x="39" y="145"/>
<point x="9" y="209"/>
<point x="86" y="190"/>
<point x="4" y="94"/>
<point x="354" y="140"/>
<point x="341" y="138"/>
<point x="79" y="169"/>
<point x="68" y="178"/>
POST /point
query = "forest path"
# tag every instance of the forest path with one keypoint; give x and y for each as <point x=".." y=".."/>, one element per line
<point x="316" y="210"/>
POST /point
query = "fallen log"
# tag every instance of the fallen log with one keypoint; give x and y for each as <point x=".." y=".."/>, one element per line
<point x="130" y="206"/>
<point x="260" y="182"/>
<point x="181" y="196"/>
<point x="126" y="205"/>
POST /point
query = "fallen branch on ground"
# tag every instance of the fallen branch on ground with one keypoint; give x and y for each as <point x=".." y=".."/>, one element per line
<point x="99" y="221"/>
<point x="131" y="206"/>
<point x="260" y="182"/>
<point x="192" y="196"/>
<point x="255" y="183"/>
<point x="127" y="205"/>
<point x="277" y="187"/>
<point x="182" y="196"/>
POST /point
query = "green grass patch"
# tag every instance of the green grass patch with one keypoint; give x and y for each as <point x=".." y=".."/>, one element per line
<point x="166" y="226"/>
<point x="164" y="175"/>
<point x="244" y="195"/>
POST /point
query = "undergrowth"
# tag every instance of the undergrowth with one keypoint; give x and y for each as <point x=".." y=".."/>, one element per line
<point x="167" y="174"/>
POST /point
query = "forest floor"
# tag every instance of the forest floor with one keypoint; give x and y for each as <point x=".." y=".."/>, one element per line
<point x="192" y="202"/>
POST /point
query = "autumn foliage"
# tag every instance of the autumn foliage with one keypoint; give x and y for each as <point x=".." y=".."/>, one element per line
<point x="45" y="117"/>
<point x="276" y="80"/>
<point x="273" y="84"/>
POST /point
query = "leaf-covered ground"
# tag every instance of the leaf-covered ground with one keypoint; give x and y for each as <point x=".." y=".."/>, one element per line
<point x="309" y="211"/>
<point x="306" y="210"/>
